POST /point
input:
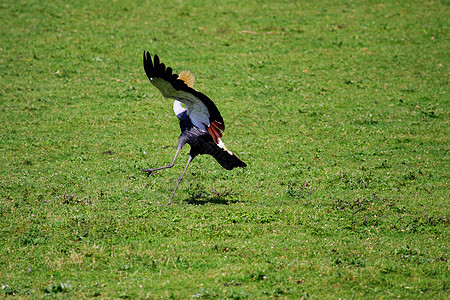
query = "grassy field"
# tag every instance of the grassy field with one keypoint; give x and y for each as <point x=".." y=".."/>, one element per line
<point x="339" y="108"/>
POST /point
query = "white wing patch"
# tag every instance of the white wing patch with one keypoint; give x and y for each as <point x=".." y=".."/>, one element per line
<point x="196" y="109"/>
<point x="222" y="145"/>
<point x="178" y="109"/>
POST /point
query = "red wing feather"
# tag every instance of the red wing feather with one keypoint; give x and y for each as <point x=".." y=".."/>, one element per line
<point x="215" y="133"/>
<point x="215" y="130"/>
<point x="218" y="125"/>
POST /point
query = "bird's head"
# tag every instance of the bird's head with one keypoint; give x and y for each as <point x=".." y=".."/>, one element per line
<point x="188" y="78"/>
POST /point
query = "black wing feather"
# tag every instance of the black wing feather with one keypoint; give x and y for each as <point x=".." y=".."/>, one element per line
<point x="148" y="64"/>
<point x="156" y="60"/>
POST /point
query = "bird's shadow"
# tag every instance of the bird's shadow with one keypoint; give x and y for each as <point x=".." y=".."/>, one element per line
<point x="212" y="200"/>
<point x="198" y="196"/>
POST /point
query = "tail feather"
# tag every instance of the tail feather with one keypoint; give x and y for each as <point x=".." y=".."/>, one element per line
<point x="225" y="158"/>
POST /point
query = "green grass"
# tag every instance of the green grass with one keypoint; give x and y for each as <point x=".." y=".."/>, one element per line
<point x="339" y="108"/>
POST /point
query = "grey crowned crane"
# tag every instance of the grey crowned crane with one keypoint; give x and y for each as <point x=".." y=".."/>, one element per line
<point x="200" y="121"/>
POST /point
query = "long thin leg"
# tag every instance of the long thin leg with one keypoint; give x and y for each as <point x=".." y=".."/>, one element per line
<point x="181" y="143"/>
<point x="181" y="178"/>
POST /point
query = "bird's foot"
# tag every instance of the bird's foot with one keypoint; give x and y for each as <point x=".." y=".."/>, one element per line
<point x="149" y="171"/>
<point x="167" y="204"/>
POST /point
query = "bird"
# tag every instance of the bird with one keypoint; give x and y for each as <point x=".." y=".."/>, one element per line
<point x="201" y="123"/>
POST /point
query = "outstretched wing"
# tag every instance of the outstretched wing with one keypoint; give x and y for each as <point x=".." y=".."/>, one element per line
<point x="202" y="111"/>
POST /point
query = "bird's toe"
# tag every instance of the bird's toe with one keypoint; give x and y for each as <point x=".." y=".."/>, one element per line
<point x="148" y="171"/>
